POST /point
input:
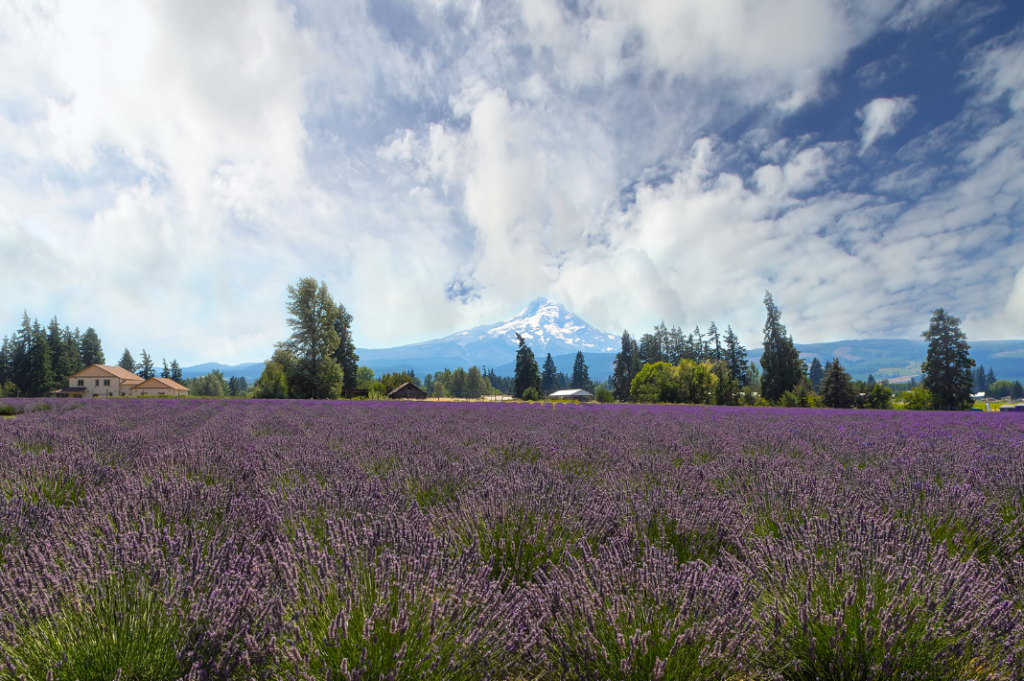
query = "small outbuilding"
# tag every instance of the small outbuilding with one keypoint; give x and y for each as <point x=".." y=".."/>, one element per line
<point x="408" y="391"/>
<point x="575" y="394"/>
<point x="1011" y="407"/>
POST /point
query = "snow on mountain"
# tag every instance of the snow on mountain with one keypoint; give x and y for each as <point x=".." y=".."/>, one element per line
<point x="545" y="325"/>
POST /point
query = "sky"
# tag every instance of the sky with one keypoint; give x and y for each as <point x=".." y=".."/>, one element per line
<point x="169" y="167"/>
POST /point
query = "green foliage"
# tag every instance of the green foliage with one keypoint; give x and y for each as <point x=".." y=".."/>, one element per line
<point x="879" y="397"/>
<point x="273" y="382"/>
<point x="345" y="355"/>
<point x="627" y="366"/>
<point x="531" y="394"/>
<point x="527" y="374"/>
<point x="8" y="410"/>
<point x="948" y="368"/>
<point x="210" y="385"/>
<point x="393" y="380"/>
<point x="121" y="628"/>
<point x="999" y="389"/>
<point x="91" y="348"/>
<point x="836" y="389"/>
<point x="364" y="377"/>
<point x="127" y="362"/>
<point x="313" y="370"/>
<point x="603" y="395"/>
<point x="781" y="362"/>
<point x="548" y="376"/>
<point x="917" y="399"/>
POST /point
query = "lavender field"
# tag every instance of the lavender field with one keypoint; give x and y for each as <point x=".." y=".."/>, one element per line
<point x="150" y="539"/>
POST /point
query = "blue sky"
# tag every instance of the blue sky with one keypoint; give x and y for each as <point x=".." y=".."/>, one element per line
<point x="168" y="168"/>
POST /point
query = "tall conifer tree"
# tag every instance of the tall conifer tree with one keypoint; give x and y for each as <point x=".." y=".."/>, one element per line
<point x="781" y="365"/>
<point x="948" y="367"/>
<point x="548" y="376"/>
<point x="527" y="373"/>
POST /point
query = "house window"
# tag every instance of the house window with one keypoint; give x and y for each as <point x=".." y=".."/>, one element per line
<point x="81" y="382"/>
<point x="106" y="381"/>
<point x="97" y="381"/>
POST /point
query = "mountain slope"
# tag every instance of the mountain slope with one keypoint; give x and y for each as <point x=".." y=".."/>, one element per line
<point x="546" y="325"/>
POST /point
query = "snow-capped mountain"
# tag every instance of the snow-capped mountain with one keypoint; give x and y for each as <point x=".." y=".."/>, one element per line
<point x="545" y="325"/>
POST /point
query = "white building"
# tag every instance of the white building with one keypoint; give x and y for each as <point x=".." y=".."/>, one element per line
<point x="100" y="380"/>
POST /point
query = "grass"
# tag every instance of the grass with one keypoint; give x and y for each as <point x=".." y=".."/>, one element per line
<point x="119" y="629"/>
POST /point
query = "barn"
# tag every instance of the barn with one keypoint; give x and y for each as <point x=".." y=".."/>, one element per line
<point x="407" y="391"/>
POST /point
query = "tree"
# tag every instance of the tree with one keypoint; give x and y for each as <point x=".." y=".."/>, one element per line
<point x="627" y="366"/>
<point x="990" y="377"/>
<point x="650" y="349"/>
<point x="980" y="382"/>
<point x="364" y="377"/>
<point x="879" y="397"/>
<point x="346" y="355"/>
<point x="657" y="382"/>
<point x="39" y="380"/>
<point x="166" y="372"/>
<point x="714" y="345"/>
<point x="273" y="382"/>
<point x="176" y="374"/>
<point x="781" y="360"/>
<point x="146" y="370"/>
<point x="527" y="374"/>
<point x="836" y="389"/>
<point x="1018" y="391"/>
<point x="127" y="362"/>
<point x="91" y="348"/>
<point x="580" y="373"/>
<point x="816" y="374"/>
<point x="735" y="356"/>
<point x="476" y="384"/>
<point x="948" y="367"/>
<point x="311" y="316"/>
<point x="548" y="376"/>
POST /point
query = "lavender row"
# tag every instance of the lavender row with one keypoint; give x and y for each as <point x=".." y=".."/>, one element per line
<point x="316" y="540"/>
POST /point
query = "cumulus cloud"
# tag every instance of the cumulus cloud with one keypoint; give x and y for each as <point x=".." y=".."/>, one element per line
<point x="188" y="160"/>
<point x="883" y="116"/>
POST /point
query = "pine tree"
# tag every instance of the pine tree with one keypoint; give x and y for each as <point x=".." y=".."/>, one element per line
<point x="990" y="378"/>
<point x="948" y="367"/>
<point x="166" y="372"/>
<point x="817" y="373"/>
<point x="650" y="349"/>
<point x="5" y="361"/>
<point x="782" y="368"/>
<point x="979" y="380"/>
<point x="527" y="373"/>
<point x="1017" y="392"/>
<point x="127" y="362"/>
<point x="627" y="362"/>
<point x="146" y="369"/>
<point x="836" y="387"/>
<point x="71" y="356"/>
<point x="871" y="380"/>
<point x="580" y="373"/>
<point x="548" y="376"/>
<point x="39" y="379"/>
<point x="735" y="357"/>
<point x="714" y="344"/>
<point x="346" y="353"/>
<point x="21" y="343"/>
<point x="175" y="371"/>
<point x="697" y="345"/>
<point x="91" y="348"/>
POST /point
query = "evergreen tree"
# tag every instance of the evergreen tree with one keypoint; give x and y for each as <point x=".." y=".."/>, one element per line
<point x="948" y="367"/>
<point x="674" y="346"/>
<point x="697" y="346"/>
<point x="735" y="357"/>
<point x="346" y="353"/>
<point x="146" y="369"/>
<point x="980" y="380"/>
<point x="836" y="387"/>
<point x="21" y="343"/>
<point x="990" y="378"/>
<point x="175" y="371"/>
<point x="561" y="381"/>
<point x="91" y="348"/>
<point x="39" y="379"/>
<point x="1017" y="392"/>
<point x="871" y="380"/>
<point x="476" y="384"/>
<point x="715" y="353"/>
<point x="548" y="376"/>
<point x="527" y="373"/>
<point x="626" y="367"/>
<point x="817" y="373"/>
<point x="5" y="361"/>
<point x="650" y="349"/>
<point x="127" y="362"/>
<point x="580" y="373"/>
<point x="166" y="372"/>
<point x="781" y="365"/>
<point x="71" y="360"/>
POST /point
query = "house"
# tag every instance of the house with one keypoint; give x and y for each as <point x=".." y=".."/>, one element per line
<point x="407" y="391"/>
<point x="575" y="394"/>
<point x="1011" y="407"/>
<point x="159" y="386"/>
<point x="100" y="380"/>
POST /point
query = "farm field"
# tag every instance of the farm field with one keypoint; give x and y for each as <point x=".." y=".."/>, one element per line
<point x="151" y="539"/>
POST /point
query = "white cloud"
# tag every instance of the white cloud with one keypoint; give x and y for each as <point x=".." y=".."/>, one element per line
<point x="883" y="116"/>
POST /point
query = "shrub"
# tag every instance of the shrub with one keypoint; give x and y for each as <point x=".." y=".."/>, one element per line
<point x="531" y="394"/>
<point x="917" y="399"/>
<point x="604" y="395"/>
<point x="7" y="410"/>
